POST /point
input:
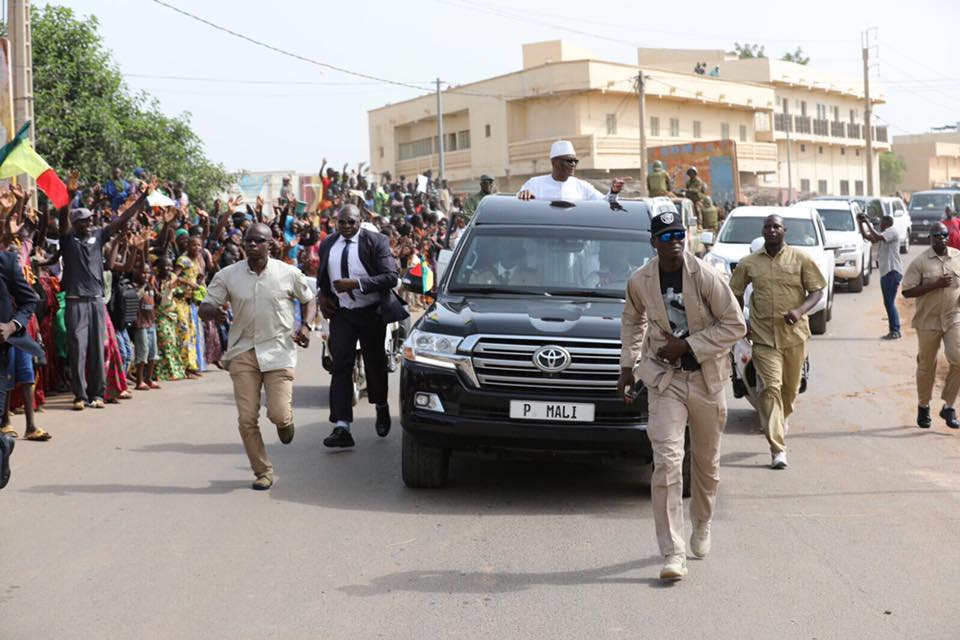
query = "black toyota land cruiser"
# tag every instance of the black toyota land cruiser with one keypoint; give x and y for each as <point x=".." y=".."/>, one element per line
<point x="521" y="350"/>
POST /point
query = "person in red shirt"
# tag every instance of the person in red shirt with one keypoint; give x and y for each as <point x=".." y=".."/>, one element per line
<point x="952" y="223"/>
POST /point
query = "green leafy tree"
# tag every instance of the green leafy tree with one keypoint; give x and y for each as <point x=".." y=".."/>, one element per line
<point x="747" y="50"/>
<point x="88" y="119"/>
<point x="797" y="56"/>
<point x="892" y="170"/>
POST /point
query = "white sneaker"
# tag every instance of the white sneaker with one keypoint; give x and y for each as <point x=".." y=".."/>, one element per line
<point x="674" y="568"/>
<point x="779" y="460"/>
<point x="700" y="540"/>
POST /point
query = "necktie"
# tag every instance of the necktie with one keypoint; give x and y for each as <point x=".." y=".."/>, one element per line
<point x="345" y="264"/>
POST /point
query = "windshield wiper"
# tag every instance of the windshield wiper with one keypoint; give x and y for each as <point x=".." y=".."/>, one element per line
<point x="514" y="290"/>
<point x="586" y="294"/>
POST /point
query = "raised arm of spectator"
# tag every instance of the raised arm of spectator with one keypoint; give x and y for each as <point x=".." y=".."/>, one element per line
<point x="43" y="219"/>
<point x="73" y="181"/>
<point x="204" y="224"/>
<point x="128" y="210"/>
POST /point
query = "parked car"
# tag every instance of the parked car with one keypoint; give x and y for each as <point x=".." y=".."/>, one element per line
<point x="805" y="231"/>
<point x="521" y="349"/>
<point x="877" y="206"/>
<point x="852" y="262"/>
<point x="926" y="209"/>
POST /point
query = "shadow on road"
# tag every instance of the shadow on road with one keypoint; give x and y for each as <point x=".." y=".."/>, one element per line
<point x="216" y="487"/>
<point x="483" y="582"/>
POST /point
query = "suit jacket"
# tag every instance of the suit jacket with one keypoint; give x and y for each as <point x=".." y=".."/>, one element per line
<point x="17" y="299"/>
<point x="376" y="257"/>
<point x="714" y="319"/>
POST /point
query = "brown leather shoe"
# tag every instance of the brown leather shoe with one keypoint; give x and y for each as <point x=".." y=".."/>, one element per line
<point x="263" y="483"/>
<point x="286" y="433"/>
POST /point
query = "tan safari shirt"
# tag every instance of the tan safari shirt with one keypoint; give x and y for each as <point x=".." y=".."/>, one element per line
<point x="780" y="283"/>
<point x="937" y="310"/>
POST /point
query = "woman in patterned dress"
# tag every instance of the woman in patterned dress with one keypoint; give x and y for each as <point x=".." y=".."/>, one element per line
<point x="170" y="366"/>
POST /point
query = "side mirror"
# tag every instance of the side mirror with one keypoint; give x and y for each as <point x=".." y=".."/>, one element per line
<point x="443" y="260"/>
<point x="707" y="238"/>
<point x="831" y="247"/>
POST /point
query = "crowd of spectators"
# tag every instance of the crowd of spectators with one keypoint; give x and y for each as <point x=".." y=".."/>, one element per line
<point x="121" y="271"/>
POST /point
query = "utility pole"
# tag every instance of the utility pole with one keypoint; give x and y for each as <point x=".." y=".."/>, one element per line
<point x="440" y="131"/>
<point x="788" y="122"/>
<point x="21" y="68"/>
<point x="641" y="100"/>
<point x="867" y="111"/>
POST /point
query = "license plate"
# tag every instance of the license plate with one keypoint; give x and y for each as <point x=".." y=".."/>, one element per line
<point x="551" y="411"/>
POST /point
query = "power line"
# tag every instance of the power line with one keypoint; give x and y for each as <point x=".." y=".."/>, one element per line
<point x="284" y="52"/>
<point x="249" y="81"/>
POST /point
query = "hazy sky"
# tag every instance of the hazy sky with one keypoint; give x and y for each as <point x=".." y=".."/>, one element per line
<point x="260" y="110"/>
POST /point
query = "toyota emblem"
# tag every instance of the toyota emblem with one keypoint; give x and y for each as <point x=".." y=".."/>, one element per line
<point x="551" y="358"/>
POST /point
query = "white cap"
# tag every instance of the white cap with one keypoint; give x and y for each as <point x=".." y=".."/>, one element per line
<point x="562" y="148"/>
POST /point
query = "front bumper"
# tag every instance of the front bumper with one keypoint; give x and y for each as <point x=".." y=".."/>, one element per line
<point x="476" y="419"/>
<point x="843" y="269"/>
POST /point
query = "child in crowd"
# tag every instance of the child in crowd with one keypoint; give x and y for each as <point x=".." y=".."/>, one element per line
<point x="145" y="331"/>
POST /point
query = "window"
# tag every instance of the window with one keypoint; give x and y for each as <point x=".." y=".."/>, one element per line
<point x="803" y="148"/>
<point x="463" y="139"/>
<point x="743" y="133"/>
<point x="803" y="108"/>
<point x="822" y="187"/>
<point x="486" y="130"/>
<point x="416" y="148"/>
<point x="844" y="187"/>
<point x="843" y="151"/>
<point x="821" y="111"/>
<point x="654" y="126"/>
<point x="858" y="153"/>
<point x="744" y="229"/>
<point x="696" y="128"/>
<point x="805" y="185"/>
<point x="724" y="131"/>
<point x="858" y="187"/>
<point x="836" y="114"/>
<point x="611" y="124"/>
<point x="674" y="127"/>
<point x="381" y="152"/>
<point x="450" y="142"/>
<point x="820" y="150"/>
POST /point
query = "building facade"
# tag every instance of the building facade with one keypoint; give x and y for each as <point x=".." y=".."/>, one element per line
<point x="932" y="159"/>
<point x="504" y="125"/>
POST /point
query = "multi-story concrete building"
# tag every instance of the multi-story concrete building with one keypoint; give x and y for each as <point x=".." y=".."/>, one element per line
<point x="504" y="125"/>
<point x="932" y="159"/>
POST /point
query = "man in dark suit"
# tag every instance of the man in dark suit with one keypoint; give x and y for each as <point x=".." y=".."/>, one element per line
<point x="356" y="279"/>
<point x="17" y="302"/>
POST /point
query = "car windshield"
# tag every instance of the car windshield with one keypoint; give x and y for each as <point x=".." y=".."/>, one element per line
<point x="835" y="220"/>
<point x="562" y="260"/>
<point x="744" y="230"/>
<point x="932" y="202"/>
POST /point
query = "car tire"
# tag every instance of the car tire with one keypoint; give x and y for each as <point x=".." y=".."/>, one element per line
<point x="855" y="285"/>
<point x="906" y="244"/>
<point x="830" y="305"/>
<point x="818" y="323"/>
<point x="423" y="467"/>
<point x="867" y="273"/>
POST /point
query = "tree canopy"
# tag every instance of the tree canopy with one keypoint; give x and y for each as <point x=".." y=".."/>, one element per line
<point x="892" y="170"/>
<point x="797" y="56"/>
<point x="747" y="50"/>
<point x="86" y="118"/>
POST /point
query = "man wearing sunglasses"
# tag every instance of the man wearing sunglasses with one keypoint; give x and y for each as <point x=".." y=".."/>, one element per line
<point x="679" y="324"/>
<point x="560" y="183"/>
<point x="356" y="280"/>
<point x="261" y="352"/>
<point x="933" y="278"/>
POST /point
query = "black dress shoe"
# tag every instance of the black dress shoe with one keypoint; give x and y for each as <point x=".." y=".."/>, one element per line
<point x="6" y="450"/>
<point x="340" y="437"/>
<point x="950" y="417"/>
<point x="923" y="417"/>
<point x="383" y="421"/>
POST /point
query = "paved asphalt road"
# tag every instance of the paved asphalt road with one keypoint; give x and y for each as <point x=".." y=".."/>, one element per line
<point x="138" y="522"/>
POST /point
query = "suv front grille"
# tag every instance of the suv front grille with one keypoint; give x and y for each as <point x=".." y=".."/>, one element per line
<point x="506" y="362"/>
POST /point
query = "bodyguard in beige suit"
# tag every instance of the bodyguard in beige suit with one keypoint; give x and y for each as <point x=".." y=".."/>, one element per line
<point x="679" y="324"/>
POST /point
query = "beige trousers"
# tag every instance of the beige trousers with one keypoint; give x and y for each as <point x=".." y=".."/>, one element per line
<point x="247" y="382"/>
<point x="780" y="371"/>
<point x="685" y="401"/>
<point x="928" y="347"/>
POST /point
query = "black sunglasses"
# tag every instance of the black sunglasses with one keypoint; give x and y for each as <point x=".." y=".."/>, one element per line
<point x="347" y="222"/>
<point x="573" y="161"/>
<point x="255" y="240"/>
<point x="940" y="234"/>
<point x="670" y="236"/>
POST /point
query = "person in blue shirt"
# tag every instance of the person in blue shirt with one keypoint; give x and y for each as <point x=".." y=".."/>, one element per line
<point x="117" y="189"/>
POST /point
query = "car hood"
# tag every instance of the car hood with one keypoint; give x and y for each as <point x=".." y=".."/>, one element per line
<point x="843" y="237"/>
<point x="930" y="216"/>
<point x="517" y="315"/>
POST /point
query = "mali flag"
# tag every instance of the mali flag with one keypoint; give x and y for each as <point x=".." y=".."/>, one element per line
<point x="17" y="156"/>
<point x="422" y="271"/>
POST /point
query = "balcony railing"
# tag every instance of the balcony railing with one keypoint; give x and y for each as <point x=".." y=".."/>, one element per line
<point x="880" y="134"/>
<point x="821" y="127"/>
<point x="854" y="130"/>
<point x="837" y="130"/>
<point x="782" y="122"/>
<point x="802" y="124"/>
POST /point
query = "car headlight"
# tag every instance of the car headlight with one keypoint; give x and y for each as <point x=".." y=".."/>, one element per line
<point x="717" y="262"/>
<point x="438" y="350"/>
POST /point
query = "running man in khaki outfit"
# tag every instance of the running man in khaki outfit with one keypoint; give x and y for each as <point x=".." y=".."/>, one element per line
<point x="933" y="278"/>
<point x="261" y="351"/>
<point x="679" y="324"/>
<point x="786" y="284"/>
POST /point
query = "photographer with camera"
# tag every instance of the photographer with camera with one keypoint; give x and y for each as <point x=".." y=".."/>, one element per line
<point x="890" y="265"/>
